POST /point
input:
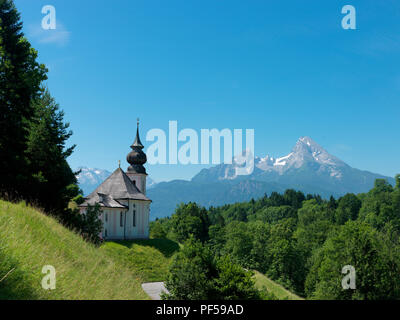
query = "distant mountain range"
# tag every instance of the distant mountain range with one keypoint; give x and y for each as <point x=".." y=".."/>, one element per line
<point x="308" y="168"/>
<point x="90" y="178"/>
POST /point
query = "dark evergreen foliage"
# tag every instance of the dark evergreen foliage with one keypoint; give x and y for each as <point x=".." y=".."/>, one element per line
<point x="20" y="80"/>
<point x="303" y="242"/>
<point x="53" y="183"/>
<point x="33" y="135"/>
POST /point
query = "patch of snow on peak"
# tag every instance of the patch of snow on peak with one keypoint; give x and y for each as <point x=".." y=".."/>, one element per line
<point x="282" y="161"/>
<point x="264" y="159"/>
<point x="336" y="174"/>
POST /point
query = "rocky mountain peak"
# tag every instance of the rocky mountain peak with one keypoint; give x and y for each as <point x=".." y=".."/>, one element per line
<point x="307" y="149"/>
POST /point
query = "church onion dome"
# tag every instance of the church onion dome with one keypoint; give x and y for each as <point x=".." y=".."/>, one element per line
<point x="137" y="158"/>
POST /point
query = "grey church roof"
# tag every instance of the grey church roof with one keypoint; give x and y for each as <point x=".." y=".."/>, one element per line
<point x="103" y="200"/>
<point x="116" y="187"/>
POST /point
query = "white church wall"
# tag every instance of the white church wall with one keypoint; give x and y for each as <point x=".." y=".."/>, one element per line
<point x="111" y="218"/>
<point x="139" y="180"/>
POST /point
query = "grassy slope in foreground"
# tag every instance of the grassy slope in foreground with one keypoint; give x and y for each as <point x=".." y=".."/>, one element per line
<point x="280" y="292"/>
<point x="150" y="258"/>
<point x="29" y="240"/>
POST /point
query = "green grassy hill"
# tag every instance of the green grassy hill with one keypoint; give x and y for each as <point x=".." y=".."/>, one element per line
<point x="262" y="283"/>
<point x="150" y="258"/>
<point x="29" y="240"/>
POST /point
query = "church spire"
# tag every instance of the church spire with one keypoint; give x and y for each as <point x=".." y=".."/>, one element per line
<point x="137" y="158"/>
<point x="137" y="143"/>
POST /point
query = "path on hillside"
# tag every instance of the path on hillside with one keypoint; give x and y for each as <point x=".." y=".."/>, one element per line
<point x="154" y="289"/>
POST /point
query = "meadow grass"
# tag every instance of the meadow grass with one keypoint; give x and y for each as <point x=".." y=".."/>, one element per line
<point x="264" y="283"/>
<point x="149" y="257"/>
<point x="30" y="240"/>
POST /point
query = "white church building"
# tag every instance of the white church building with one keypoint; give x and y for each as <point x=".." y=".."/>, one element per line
<point x="125" y="209"/>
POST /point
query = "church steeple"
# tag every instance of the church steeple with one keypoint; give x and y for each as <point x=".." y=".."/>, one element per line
<point x="137" y="142"/>
<point x="137" y="158"/>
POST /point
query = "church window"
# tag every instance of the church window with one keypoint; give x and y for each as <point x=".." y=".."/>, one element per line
<point x="105" y="233"/>
<point x="121" y="221"/>
<point x="134" y="218"/>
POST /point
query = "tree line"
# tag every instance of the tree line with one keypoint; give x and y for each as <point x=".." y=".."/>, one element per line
<point x="33" y="133"/>
<point x="301" y="241"/>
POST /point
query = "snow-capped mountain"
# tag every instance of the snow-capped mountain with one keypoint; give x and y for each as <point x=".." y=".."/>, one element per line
<point x="308" y="168"/>
<point x="306" y="155"/>
<point x="305" y="151"/>
<point x="90" y="178"/>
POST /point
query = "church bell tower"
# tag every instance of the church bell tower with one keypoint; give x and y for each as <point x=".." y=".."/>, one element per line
<point x="137" y="158"/>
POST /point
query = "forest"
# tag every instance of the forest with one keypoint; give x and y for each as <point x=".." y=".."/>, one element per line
<point x="301" y="241"/>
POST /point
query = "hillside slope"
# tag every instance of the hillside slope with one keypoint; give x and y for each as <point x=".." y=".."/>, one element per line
<point x="262" y="283"/>
<point x="149" y="257"/>
<point x="29" y="240"/>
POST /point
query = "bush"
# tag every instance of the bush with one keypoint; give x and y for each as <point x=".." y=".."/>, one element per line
<point x="157" y="230"/>
<point x="196" y="274"/>
<point x="91" y="225"/>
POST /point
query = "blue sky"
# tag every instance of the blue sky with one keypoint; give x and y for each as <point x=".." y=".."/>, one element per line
<point x="283" y="68"/>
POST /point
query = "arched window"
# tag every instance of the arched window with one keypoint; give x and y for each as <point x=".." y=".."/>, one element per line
<point x="134" y="218"/>
<point x="121" y="221"/>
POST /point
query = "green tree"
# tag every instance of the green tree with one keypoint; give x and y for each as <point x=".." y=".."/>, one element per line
<point x="311" y="211"/>
<point x="381" y="206"/>
<point x="361" y="246"/>
<point x="381" y="185"/>
<point x="397" y="177"/>
<point x="217" y="239"/>
<point x="233" y="282"/>
<point x="287" y="263"/>
<point x="190" y="219"/>
<point x="294" y="198"/>
<point x="238" y="212"/>
<point x="239" y="242"/>
<point x="20" y="80"/>
<point x="190" y="273"/>
<point x="196" y="274"/>
<point x="275" y="214"/>
<point x="157" y="230"/>
<point x="315" y="224"/>
<point x="348" y="208"/>
<point x="276" y="200"/>
<point x="259" y="256"/>
<point x="332" y="204"/>
<point x="53" y="182"/>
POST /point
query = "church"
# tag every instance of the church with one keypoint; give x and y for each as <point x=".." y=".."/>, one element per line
<point x="125" y="209"/>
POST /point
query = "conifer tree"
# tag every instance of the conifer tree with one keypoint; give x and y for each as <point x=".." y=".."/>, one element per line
<point x="20" y="79"/>
<point x="53" y="184"/>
